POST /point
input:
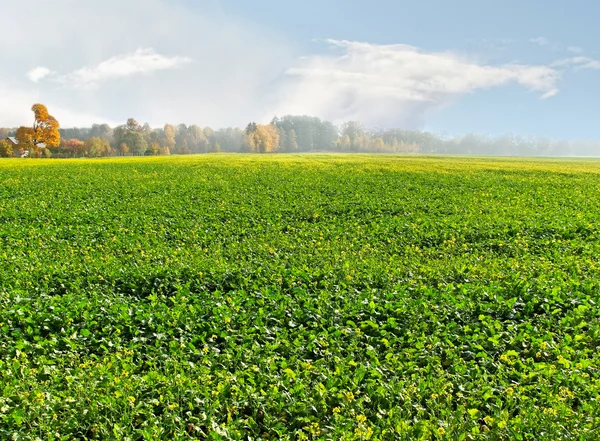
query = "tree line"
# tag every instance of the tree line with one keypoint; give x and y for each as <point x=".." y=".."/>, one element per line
<point x="287" y="134"/>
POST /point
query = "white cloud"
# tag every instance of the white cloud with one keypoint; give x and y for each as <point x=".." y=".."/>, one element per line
<point x="142" y="61"/>
<point x="39" y="73"/>
<point x="575" y="49"/>
<point x="550" y="94"/>
<point x="578" y="63"/>
<point x="235" y="62"/>
<point x="396" y="84"/>
<point x="240" y="71"/>
<point x="540" y="41"/>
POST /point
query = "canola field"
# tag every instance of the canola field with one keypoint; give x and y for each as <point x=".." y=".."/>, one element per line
<point x="300" y="297"/>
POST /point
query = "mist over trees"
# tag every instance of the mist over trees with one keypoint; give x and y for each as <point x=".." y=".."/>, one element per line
<point x="287" y="134"/>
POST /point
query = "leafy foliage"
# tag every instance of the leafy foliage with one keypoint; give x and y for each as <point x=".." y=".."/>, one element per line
<point x="261" y="139"/>
<point x="299" y="298"/>
<point x="300" y="134"/>
<point x="44" y="132"/>
<point x="6" y="149"/>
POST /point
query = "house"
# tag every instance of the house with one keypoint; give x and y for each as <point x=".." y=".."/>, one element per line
<point x="16" y="150"/>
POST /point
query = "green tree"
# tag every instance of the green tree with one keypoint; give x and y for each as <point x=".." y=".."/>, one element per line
<point x="153" y="149"/>
<point x="344" y="143"/>
<point x="292" y="141"/>
<point x="131" y="134"/>
<point x="101" y="131"/>
<point x="97" y="147"/>
<point x="354" y="131"/>
<point x="197" y="141"/>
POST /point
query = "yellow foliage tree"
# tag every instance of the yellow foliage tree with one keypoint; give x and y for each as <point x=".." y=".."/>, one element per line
<point x="6" y="150"/>
<point x="25" y="137"/>
<point x="44" y="132"/>
<point x="262" y="139"/>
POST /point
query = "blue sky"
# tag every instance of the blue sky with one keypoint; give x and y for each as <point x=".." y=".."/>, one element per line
<point x="500" y="31"/>
<point x="493" y="67"/>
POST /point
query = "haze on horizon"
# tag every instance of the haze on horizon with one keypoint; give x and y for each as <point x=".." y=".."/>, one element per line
<point x="221" y="63"/>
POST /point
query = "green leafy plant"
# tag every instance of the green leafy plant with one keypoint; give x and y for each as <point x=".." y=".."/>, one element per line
<point x="314" y="297"/>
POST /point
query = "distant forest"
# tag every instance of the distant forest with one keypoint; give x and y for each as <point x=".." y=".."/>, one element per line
<point x="288" y="134"/>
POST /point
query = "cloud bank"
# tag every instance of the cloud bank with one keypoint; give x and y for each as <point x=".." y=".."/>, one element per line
<point x="396" y="84"/>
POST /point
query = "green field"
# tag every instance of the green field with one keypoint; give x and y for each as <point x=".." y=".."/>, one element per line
<point x="309" y="297"/>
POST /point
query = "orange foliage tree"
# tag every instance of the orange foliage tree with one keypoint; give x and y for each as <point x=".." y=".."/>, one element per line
<point x="44" y="132"/>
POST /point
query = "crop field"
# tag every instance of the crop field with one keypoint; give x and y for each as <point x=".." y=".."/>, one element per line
<point x="300" y="297"/>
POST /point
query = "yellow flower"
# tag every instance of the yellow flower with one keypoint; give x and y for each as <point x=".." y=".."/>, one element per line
<point x="441" y="431"/>
<point x="314" y="429"/>
<point x="336" y="410"/>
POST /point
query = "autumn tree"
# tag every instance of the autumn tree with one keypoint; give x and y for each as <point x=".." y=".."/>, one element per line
<point x="261" y="139"/>
<point x="185" y="150"/>
<point x="169" y="137"/>
<point x="153" y="149"/>
<point x="248" y="144"/>
<point x="6" y="149"/>
<point x="378" y="144"/>
<point x="44" y="132"/>
<point x="75" y="147"/>
<point x="197" y="140"/>
<point x="268" y="139"/>
<point x="24" y="137"/>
